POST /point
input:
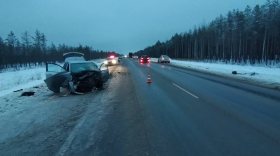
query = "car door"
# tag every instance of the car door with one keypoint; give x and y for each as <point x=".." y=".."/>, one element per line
<point x="52" y="69"/>
<point x="104" y="72"/>
<point x="56" y="77"/>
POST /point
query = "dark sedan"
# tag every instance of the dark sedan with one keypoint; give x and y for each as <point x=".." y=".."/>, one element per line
<point x="76" y="76"/>
<point x="144" y="59"/>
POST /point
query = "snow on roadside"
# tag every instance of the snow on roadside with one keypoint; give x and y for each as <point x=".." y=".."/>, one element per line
<point x="15" y="80"/>
<point x="264" y="74"/>
<point x="267" y="75"/>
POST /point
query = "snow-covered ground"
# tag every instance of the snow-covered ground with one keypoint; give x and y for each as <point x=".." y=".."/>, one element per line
<point x="15" y="80"/>
<point x="266" y="75"/>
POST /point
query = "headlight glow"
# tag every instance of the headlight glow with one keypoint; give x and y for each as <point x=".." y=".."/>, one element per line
<point x="106" y="62"/>
<point x="114" y="61"/>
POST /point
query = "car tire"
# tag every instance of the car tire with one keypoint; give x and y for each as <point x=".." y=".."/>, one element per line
<point x="99" y="85"/>
<point x="64" y="89"/>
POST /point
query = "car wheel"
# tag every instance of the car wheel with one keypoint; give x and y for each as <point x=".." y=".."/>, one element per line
<point x="64" y="89"/>
<point x="99" y="85"/>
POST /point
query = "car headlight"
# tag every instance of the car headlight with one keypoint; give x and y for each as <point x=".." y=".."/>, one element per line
<point x="106" y="62"/>
<point x="114" y="61"/>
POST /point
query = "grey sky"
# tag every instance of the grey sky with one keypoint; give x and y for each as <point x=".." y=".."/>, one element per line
<point x="120" y="25"/>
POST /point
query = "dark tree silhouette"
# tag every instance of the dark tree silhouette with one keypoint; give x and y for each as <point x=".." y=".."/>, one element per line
<point x="33" y="50"/>
<point x="252" y="35"/>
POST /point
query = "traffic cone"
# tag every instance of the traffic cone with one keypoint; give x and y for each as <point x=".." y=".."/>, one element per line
<point x="149" y="79"/>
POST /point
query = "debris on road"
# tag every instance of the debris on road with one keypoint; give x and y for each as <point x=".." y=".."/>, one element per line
<point x="18" y="90"/>
<point x="28" y="93"/>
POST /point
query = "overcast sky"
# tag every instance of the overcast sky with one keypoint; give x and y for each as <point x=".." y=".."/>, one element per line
<point x="119" y="25"/>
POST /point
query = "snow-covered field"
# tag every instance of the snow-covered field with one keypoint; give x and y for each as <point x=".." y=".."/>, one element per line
<point x="14" y="80"/>
<point x="259" y="73"/>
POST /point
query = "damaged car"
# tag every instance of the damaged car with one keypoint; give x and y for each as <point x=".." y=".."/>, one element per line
<point x="76" y="75"/>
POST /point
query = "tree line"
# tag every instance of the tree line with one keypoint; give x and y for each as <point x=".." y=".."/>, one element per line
<point x="251" y="35"/>
<point x="29" y="50"/>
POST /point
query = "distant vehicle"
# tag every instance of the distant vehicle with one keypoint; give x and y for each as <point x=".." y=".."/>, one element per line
<point x="111" y="60"/>
<point x="164" y="59"/>
<point x="76" y="75"/>
<point x="144" y="59"/>
<point x="135" y="57"/>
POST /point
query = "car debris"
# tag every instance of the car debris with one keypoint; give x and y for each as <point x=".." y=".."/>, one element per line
<point x="31" y="93"/>
<point x="18" y="90"/>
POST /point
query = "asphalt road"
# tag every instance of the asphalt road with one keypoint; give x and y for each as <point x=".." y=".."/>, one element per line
<point x="182" y="112"/>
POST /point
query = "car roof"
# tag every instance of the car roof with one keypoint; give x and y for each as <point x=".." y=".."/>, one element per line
<point x="144" y="56"/>
<point x="164" y="56"/>
<point x="68" y="59"/>
<point x="79" y="61"/>
<point x="71" y="54"/>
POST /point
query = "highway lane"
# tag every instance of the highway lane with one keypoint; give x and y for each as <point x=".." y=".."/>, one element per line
<point x="182" y="112"/>
<point x="187" y="113"/>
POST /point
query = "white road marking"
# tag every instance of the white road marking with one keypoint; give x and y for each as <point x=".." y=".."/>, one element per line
<point x="184" y="90"/>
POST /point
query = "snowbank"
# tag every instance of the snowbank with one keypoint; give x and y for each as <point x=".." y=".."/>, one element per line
<point x="14" y="80"/>
<point x="267" y="75"/>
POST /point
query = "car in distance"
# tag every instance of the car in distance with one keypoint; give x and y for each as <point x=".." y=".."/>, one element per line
<point x="144" y="59"/>
<point x="111" y="60"/>
<point x="135" y="57"/>
<point x="76" y="75"/>
<point x="164" y="59"/>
